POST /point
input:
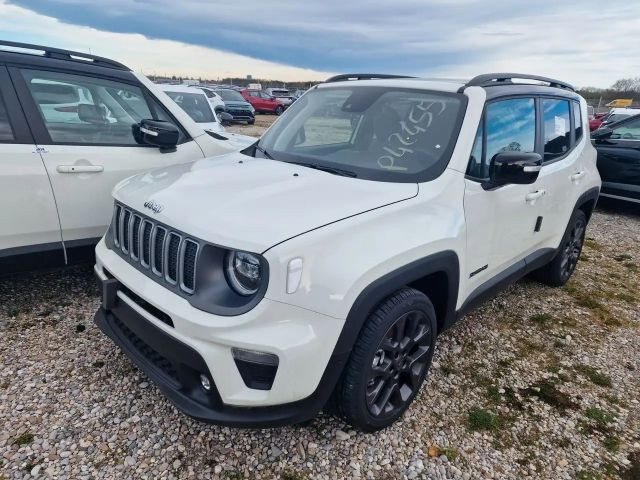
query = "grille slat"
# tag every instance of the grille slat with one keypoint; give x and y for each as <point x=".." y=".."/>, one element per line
<point x="135" y="237"/>
<point x="173" y="249"/>
<point x="147" y="228"/>
<point x="158" y="249"/>
<point x="125" y="231"/>
<point x="150" y="245"/>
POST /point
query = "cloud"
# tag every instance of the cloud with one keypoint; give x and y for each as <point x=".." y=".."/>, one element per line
<point x="140" y="53"/>
<point x="580" y="42"/>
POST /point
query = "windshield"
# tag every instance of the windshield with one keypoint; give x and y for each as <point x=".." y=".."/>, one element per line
<point x="230" y="96"/>
<point x="375" y="133"/>
<point x="195" y="104"/>
<point x="280" y="92"/>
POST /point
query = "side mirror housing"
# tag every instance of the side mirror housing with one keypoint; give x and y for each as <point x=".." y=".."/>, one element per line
<point x="225" y="118"/>
<point x="602" y="133"/>
<point x="514" y="168"/>
<point x="158" y="133"/>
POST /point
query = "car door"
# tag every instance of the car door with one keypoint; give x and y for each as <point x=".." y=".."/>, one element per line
<point x="619" y="160"/>
<point x="563" y="170"/>
<point x="500" y="221"/>
<point x="82" y="125"/>
<point x="28" y="216"/>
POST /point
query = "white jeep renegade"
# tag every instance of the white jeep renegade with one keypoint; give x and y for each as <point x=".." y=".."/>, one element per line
<point x="317" y="267"/>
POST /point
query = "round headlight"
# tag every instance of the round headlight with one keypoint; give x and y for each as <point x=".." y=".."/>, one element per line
<point x="244" y="272"/>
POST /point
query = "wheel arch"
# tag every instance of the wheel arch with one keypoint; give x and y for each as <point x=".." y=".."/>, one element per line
<point x="436" y="275"/>
<point x="587" y="202"/>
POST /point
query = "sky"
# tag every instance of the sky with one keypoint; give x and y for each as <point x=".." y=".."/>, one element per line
<point x="584" y="42"/>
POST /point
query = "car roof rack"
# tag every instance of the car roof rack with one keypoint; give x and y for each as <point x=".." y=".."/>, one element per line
<point x="363" y="76"/>
<point x="61" y="54"/>
<point x="498" y="79"/>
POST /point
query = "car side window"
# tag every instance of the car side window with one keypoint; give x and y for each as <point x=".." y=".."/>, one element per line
<point x="577" y="122"/>
<point x="629" y="131"/>
<point x="510" y="125"/>
<point x="85" y="110"/>
<point x="557" y="128"/>
<point x="6" y="132"/>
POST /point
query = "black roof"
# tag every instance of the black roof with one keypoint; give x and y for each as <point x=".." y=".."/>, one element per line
<point x="28" y="49"/>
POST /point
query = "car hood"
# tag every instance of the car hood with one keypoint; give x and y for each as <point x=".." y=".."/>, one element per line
<point x="251" y="204"/>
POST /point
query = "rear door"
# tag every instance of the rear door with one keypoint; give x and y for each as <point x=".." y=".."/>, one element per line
<point x="619" y="161"/>
<point x="28" y="216"/>
<point x="82" y="125"/>
<point x="563" y="174"/>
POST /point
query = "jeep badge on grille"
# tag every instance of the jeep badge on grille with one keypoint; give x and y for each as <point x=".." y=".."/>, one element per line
<point x="153" y="206"/>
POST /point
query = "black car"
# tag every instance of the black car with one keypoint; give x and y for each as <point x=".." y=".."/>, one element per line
<point x="618" y="147"/>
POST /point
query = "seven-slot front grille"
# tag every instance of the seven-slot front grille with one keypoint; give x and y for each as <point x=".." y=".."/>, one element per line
<point x="169" y="254"/>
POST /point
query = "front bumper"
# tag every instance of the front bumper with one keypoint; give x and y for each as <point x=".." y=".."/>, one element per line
<point x="174" y="356"/>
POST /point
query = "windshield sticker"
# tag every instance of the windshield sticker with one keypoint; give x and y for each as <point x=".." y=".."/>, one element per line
<point x="418" y="120"/>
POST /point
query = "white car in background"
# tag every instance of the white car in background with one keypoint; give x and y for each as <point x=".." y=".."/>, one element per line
<point x="282" y="94"/>
<point x="194" y="101"/>
<point x="214" y="97"/>
<point x="72" y="126"/>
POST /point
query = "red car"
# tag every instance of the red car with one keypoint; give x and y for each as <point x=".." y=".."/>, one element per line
<point x="263" y="102"/>
<point x="596" y="120"/>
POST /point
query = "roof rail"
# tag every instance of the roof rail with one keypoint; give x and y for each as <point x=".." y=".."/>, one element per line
<point x="363" y="76"/>
<point x="496" y="79"/>
<point x="61" y="54"/>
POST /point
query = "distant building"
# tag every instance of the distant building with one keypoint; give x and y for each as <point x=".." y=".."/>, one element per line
<point x="249" y="77"/>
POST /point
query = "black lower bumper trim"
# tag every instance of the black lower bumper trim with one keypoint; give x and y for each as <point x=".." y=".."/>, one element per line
<point x="176" y="367"/>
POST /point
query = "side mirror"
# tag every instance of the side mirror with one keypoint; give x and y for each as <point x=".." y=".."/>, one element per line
<point x="602" y="133"/>
<point x="158" y="133"/>
<point x="514" y="167"/>
<point x="225" y="118"/>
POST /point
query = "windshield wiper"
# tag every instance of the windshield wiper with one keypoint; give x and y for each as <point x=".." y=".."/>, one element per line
<point x="324" y="168"/>
<point x="264" y="152"/>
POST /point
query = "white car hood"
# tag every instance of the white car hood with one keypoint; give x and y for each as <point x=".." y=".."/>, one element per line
<point x="250" y="203"/>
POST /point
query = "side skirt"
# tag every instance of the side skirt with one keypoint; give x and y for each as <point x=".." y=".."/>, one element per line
<point x="495" y="285"/>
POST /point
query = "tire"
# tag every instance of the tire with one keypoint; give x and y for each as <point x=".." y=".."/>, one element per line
<point x="383" y="375"/>
<point x="251" y="122"/>
<point x="559" y="270"/>
<point x="279" y="110"/>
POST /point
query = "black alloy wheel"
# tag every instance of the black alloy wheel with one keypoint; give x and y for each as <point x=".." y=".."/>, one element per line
<point x="388" y="362"/>
<point x="399" y="364"/>
<point x="572" y="248"/>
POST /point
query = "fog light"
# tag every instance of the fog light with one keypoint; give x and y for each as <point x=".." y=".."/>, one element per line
<point x="204" y="381"/>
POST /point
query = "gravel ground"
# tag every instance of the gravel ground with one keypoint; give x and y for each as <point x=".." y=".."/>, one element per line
<point x="538" y="383"/>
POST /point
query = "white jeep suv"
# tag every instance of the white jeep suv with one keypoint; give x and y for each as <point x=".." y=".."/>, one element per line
<point x="317" y="267"/>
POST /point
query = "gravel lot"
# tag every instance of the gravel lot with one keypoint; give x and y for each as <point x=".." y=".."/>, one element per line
<point x="538" y="383"/>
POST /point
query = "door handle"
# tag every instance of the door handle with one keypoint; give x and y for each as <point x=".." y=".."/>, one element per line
<point x="533" y="196"/>
<point x="577" y="176"/>
<point x="79" y="168"/>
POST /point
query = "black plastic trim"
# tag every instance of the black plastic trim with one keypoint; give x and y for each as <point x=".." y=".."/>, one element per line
<point x="446" y="262"/>
<point x="363" y="76"/>
<point x="493" y="79"/>
<point x="17" y="120"/>
<point x="508" y="276"/>
<point x="190" y="398"/>
<point x="61" y="54"/>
